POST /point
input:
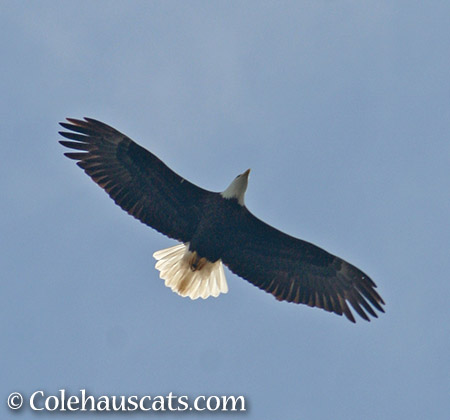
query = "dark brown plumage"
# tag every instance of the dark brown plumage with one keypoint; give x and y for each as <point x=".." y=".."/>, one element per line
<point x="215" y="227"/>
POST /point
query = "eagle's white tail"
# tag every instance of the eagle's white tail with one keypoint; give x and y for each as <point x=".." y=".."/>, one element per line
<point x="174" y="264"/>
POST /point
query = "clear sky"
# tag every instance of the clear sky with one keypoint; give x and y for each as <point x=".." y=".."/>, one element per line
<point x="342" y="111"/>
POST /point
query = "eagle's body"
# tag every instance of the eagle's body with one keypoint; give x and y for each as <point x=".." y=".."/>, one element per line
<point x="214" y="228"/>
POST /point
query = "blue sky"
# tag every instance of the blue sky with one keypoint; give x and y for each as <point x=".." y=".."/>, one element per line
<point x="342" y="111"/>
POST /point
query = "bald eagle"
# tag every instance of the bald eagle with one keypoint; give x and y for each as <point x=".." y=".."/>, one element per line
<point x="214" y="229"/>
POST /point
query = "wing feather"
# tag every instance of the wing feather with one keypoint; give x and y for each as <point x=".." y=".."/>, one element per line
<point x="298" y="271"/>
<point x="139" y="182"/>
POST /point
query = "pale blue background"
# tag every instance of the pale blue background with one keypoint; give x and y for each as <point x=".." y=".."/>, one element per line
<point x="341" y="109"/>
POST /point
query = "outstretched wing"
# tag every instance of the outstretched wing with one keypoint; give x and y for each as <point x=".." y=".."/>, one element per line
<point x="139" y="182"/>
<point x="298" y="271"/>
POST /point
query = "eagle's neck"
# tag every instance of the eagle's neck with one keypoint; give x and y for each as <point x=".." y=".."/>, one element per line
<point x="237" y="188"/>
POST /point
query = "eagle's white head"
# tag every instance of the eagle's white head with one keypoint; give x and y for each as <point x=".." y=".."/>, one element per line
<point x="237" y="188"/>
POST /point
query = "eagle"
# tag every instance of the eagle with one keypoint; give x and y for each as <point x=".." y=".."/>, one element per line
<point x="214" y="229"/>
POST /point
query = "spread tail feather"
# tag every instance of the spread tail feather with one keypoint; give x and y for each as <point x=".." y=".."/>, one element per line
<point x="174" y="264"/>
